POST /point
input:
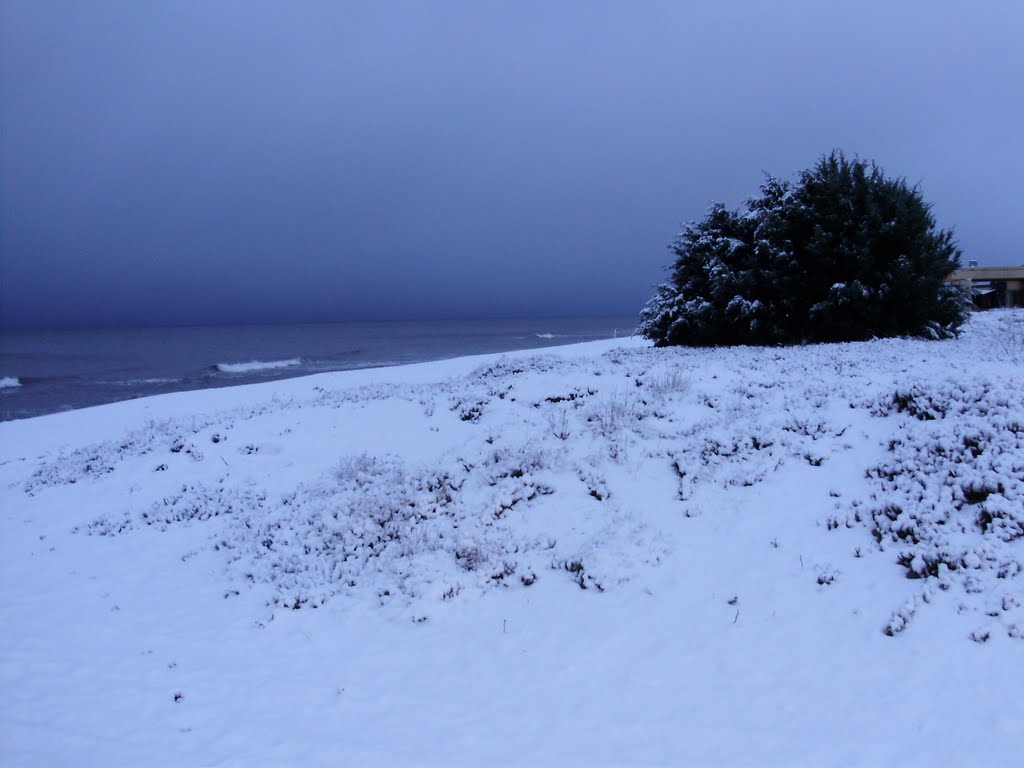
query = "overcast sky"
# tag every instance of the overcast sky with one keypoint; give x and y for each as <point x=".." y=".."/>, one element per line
<point x="196" y="162"/>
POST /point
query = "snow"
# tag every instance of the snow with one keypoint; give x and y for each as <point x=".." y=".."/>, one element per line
<point x="602" y="554"/>
<point x="256" y="365"/>
<point x="9" y="381"/>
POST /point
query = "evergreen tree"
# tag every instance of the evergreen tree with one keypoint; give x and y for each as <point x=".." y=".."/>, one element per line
<point x="842" y="254"/>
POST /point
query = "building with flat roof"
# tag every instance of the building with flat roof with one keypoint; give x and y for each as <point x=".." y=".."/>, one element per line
<point x="991" y="287"/>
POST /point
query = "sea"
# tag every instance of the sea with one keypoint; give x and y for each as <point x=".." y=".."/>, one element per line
<point x="44" y="372"/>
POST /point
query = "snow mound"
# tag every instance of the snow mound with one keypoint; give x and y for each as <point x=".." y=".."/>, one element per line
<point x="376" y="529"/>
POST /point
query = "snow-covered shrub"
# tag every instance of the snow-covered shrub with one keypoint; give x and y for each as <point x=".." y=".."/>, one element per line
<point x="948" y="500"/>
<point x="374" y="526"/>
<point x="559" y="425"/>
<point x="725" y="458"/>
<point x="596" y="485"/>
<point x="615" y="412"/>
<point x="668" y="382"/>
<point x="843" y="253"/>
<point x="362" y="469"/>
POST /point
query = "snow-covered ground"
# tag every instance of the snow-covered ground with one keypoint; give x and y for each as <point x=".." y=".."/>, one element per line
<point x="604" y="554"/>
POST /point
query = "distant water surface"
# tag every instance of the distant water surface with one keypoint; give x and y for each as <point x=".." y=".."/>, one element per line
<point x="49" y="371"/>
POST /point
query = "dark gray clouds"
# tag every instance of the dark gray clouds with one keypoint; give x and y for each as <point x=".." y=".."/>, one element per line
<point x="194" y="162"/>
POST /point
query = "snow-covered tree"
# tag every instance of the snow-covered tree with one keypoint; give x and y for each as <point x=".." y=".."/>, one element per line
<point x="843" y="253"/>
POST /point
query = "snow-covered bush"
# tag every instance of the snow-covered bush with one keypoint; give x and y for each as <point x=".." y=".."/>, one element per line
<point x="842" y="254"/>
<point x="948" y="499"/>
<point x="668" y="382"/>
<point x="614" y="413"/>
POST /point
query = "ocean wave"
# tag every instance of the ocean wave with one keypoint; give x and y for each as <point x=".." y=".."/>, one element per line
<point x="256" y="365"/>
<point x="9" y="381"/>
<point x="545" y="335"/>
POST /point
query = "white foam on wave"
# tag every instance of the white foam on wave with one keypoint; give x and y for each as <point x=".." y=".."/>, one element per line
<point x="545" y="335"/>
<point x="256" y="365"/>
<point x="9" y="381"/>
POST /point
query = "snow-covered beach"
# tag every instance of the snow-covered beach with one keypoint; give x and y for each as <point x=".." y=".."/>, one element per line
<point x="599" y="554"/>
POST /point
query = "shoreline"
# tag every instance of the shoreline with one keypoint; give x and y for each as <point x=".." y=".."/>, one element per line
<point x="287" y="386"/>
<point x="54" y="376"/>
